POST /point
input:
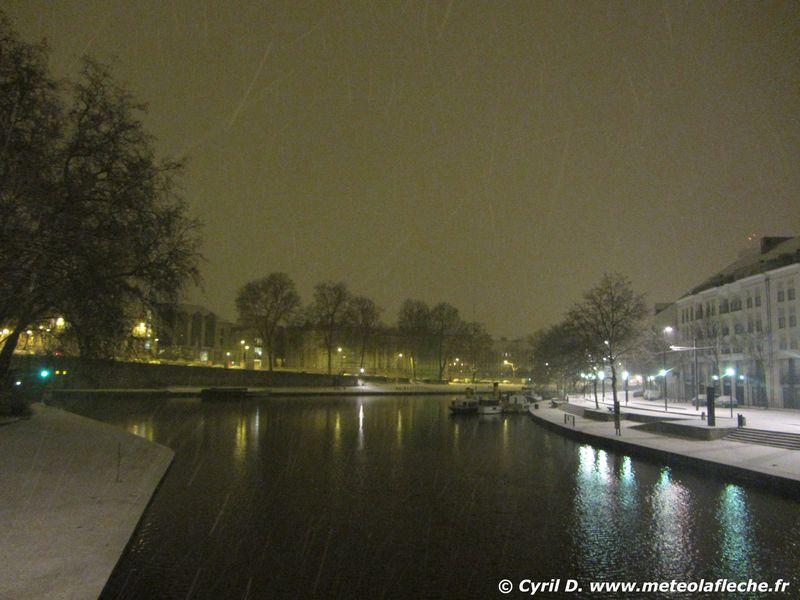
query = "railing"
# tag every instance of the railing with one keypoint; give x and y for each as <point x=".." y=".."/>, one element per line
<point x="569" y="419"/>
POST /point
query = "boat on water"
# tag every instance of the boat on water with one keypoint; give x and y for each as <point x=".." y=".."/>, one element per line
<point x="520" y="401"/>
<point x="464" y="406"/>
<point x="489" y="406"/>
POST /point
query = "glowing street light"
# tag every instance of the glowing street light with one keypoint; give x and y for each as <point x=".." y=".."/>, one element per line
<point x="625" y="377"/>
<point x="731" y="372"/>
<point x="513" y="368"/>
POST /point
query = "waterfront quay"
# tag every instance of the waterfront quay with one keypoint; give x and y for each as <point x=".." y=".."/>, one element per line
<point x="680" y="435"/>
<point x="72" y="491"/>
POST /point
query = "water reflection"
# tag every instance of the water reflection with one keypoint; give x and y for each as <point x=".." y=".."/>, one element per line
<point x="594" y="507"/>
<point x="142" y="429"/>
<point x="435" y="502"/>
<point x="399" y="429"/>
<point x="240" y="447"/>
<point x="671" y="504"/>
<point x="360" y="426"/>
<point x="738" y="558"/>
<point x="337" y="432"/>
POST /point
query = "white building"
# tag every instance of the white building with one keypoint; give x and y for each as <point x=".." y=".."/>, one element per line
<point x="743" y="324"/>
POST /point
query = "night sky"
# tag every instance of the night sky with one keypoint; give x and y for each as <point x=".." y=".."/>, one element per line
<point x="500" y="156"/>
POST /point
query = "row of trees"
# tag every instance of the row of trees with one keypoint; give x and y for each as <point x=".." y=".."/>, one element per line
<point x="93" y="228"/>
<point x="337" y="316"/>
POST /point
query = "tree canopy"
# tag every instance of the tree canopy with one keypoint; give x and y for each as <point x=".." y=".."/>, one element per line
<point x="265" y="304"/>
<point x="94" y="228"/>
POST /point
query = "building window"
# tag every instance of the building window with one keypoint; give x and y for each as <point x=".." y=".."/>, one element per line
<point x="723" y="307"/>
<point x="781" y="296"/>
<point x="792" y="320"/>
<point x="749" y="302"/>
<point x="736" y="304"/>
<point x="790" y="293"/>
<point x="698" y="313"/>
<point x="781" y="322"/>
<point x="737" y="328"/>
<point x="758" y="300"/>
<point x="725" y="330"/>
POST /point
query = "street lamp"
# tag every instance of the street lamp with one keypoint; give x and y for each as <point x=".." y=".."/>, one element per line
<point x="601" y="376"/>
<point x="625" y="377"/>
<point x="667" y="331"/>
<point x="663" y="374"/>
<point x="513" y="368"/>
<point x="696" y="375"/>
<point x="731" y="372"/>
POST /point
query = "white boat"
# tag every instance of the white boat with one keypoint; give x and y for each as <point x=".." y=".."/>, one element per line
<point x="489" y="406"/>
<point x="519" y="402"/>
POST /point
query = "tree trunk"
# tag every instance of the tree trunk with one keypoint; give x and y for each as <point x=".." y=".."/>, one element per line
<point x="617" y="427"/>
<point x="329" y="348"/>
<point x="8" y="351"/>
<point x="596" y="403"/>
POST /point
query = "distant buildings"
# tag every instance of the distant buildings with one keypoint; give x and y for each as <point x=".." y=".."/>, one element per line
<point x="738" y="330"/>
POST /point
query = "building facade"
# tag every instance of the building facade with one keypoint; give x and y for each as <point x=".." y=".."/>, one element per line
<point x="738" y="331"/>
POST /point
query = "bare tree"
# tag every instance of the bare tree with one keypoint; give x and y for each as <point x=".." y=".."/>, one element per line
<point x="446" y="324"/>
<point x="475" y="343"/>
<point x="609" y="318"/>
<point x="414" y="323"/>
<point x="365" y="319"/>
<point x="558" y="354"/>
<point x="329" y="313"/>
<point x="266" y="304"/>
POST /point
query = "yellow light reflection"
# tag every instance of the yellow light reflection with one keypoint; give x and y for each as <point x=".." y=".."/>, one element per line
<point x="241" y="439"/>
<point x="143" y="429"/>
<point x="337" y="432"/>
<point x="399" y="429"/>
<point x="360" y="426"/>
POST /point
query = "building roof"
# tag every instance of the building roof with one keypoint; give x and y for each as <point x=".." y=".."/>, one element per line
<point x="774" y="253"/>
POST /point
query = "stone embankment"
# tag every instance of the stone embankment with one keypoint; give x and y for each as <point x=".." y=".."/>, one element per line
<point x="72" y="492"/>
<point x="682" y="438"/>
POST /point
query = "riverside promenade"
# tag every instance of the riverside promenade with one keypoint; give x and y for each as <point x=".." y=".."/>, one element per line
<point x="754" y="463"/>
<point x="72" y="491"/>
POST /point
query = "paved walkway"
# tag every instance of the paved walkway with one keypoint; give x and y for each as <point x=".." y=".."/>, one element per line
<point x="72" y="491"/>
<point x="772" y="419"/>
<point x="748" y="461"/>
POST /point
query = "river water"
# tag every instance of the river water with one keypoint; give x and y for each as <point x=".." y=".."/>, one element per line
<point x="394" y="498"/>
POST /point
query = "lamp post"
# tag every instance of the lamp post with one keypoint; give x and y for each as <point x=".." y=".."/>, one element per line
<point x="667" y="331"/>
<point x="731" y="372"/>
<point x="625" y="377"/>
<point x="513" y="368"/>
<point x="694" y="348"/>
<point x="663" y="374"/>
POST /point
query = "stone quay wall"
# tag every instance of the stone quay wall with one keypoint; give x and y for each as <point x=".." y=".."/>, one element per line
<point x="109" y="374"/>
